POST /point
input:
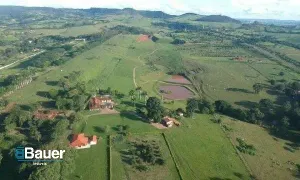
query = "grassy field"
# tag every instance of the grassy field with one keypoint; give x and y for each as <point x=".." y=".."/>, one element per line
<point x="156" y="172"/>
<point x="274" y="158"/>
<point x="202" y="151"/>
<point x="92" y="163"/>
<point x="106" y="65"/>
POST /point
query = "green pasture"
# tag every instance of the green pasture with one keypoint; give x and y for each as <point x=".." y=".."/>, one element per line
<point x="156" y="172"/>
<point x="274" y="156"/>
<point x="202" y="151"/>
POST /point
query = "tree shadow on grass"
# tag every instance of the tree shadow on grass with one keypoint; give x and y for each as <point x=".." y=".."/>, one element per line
<point x="48" y="104"/>
<point x="43" y="94"/>
<point x="273" y="92"/>
<point x="126" y="156"/>
<point x="99" y="129"/>
<point x="239" y="90"/>
<point x="52" y="83"/>
<point x="131" y="115"/>
<point x="129" y="103"/>
<point x="247" y="104"/>
<point x="218" y="178"/>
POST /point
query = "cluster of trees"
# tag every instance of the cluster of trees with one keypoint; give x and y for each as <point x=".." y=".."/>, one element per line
<point x="154" y="38"/>
<point x="245" y="148"/>
<point x="279" y="117"/>
<point x="48" y="58"/>
<point x="137" y="94"/>
<point x="111" y="92"/>
<point x="129" y="29"/>
<point x="12" y="82"/>
<point x="178" y="41"/>
<point x="20" y="124"/>
<point x="72" y="96"/>
<point x="144" y="153"/>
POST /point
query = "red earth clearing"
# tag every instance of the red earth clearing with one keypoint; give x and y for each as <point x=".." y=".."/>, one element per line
<point x="175" y="92"/>
<point x="143" y="38"/>
<point x="179" y="79"/>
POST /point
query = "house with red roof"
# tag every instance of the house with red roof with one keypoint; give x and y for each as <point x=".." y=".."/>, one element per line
<point x="80" y="141"/>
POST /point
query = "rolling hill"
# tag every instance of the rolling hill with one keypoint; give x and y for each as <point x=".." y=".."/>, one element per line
<point x="218" y="18"/>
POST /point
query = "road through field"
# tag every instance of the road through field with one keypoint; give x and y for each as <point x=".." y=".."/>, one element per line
<point x="21" y="60"/>
<point x="134" y="69"/>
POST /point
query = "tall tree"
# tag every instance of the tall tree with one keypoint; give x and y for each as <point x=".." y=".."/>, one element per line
<point x="257" y="88"/>
<point x="139" y="90"/>
<point x="145" y="95"/>
<point x="191" y="107"/>
<point x="154" y="109"/>
<point x="132" y="95"/>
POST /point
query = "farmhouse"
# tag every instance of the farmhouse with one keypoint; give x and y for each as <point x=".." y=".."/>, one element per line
<point x="169" y="122"/>
<point x="80" y="141"/>
<point x="97" y="103"/>
<point x="45" y="114"/>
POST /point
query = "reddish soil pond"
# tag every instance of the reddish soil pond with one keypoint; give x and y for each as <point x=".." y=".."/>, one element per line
<point x="178" y="79"/>
<point x="175" y="92"/>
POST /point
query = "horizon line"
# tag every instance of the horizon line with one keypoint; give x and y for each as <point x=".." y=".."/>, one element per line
<point x="221" y="14"/>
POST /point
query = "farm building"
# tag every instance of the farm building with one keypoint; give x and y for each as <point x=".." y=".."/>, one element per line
<point x="45" y="114"/>
<point x="80" y="141"/>
<point x="180" y="112"/>
<point x="169" y="122"/>
<point x="97" y="103"/>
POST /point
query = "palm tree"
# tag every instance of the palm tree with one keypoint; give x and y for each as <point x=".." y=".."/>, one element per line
<point x="132" y="95"/>
<point x="139" y="89"/>
<point x="145" y="95"/>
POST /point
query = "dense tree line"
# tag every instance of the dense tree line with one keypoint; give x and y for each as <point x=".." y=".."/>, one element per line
<point x="279" y="117"/>
<point x="39" y="135"/>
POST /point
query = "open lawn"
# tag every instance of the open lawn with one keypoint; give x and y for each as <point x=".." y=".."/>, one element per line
<point x="92" y="163"/>
<point x="202" y="151"/>
<point x="274" y="157"/>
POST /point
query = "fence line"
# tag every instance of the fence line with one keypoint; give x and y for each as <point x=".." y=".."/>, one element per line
<point x="172" y="155"/>
<point x="109" y="163"/>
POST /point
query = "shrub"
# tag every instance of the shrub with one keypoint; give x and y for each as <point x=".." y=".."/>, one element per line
<point x="245" y="148"/>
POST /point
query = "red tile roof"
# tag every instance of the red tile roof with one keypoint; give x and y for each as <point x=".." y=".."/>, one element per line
<point x="79" y="140"/>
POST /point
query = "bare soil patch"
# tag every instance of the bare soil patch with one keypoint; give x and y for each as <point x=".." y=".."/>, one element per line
<point x="143" y="38"/>
<point x="175" y="92"/>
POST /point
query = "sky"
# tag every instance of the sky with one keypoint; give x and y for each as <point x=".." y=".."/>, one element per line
<point x="256" y="9"/>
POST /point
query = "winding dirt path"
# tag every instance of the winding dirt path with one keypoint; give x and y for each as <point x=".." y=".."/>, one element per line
<point x="134" y="69"/>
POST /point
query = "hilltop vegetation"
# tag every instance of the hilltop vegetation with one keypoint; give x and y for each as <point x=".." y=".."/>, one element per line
<point x="218" y="18"/>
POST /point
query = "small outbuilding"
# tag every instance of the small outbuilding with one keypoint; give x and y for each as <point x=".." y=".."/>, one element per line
<point x="167" y="121"/>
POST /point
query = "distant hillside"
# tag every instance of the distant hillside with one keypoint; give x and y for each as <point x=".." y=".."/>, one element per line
<point x="19" y="11"/>
<point x="218" y="18"/>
